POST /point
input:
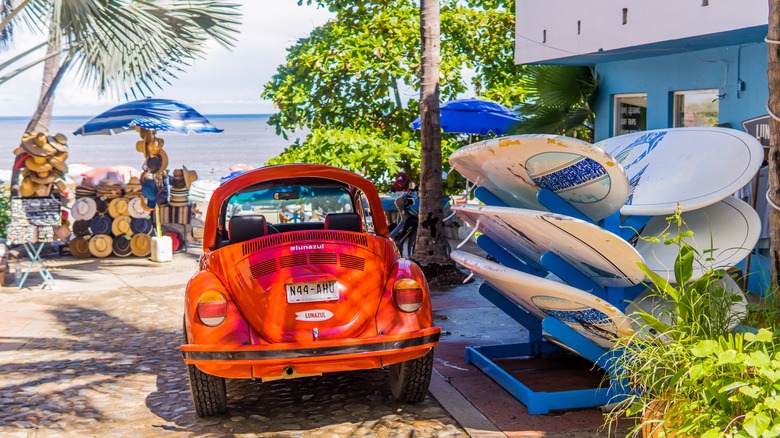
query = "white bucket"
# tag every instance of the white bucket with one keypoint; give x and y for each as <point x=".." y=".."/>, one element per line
<point x="162" y="249"/>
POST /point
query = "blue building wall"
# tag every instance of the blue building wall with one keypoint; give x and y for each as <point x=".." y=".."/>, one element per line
<point x="723" y="68"/>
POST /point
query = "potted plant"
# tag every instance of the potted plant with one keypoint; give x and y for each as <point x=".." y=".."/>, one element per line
<point x="691" y="369"/>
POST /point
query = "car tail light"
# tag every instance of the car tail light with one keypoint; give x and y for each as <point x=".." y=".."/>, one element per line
<point x="212" y="308"/>
<point x="407" y="294"/>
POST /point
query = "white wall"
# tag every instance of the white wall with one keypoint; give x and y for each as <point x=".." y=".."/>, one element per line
<point x="602" y="28"/>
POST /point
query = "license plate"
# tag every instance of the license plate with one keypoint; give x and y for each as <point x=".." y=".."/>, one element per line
<point x="314" y="291"/>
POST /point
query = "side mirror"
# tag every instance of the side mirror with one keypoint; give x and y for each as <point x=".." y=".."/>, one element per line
<point x="197" y="233"/>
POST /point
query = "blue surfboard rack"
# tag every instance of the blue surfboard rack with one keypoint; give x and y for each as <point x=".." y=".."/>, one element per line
<point x="483" y="357"/>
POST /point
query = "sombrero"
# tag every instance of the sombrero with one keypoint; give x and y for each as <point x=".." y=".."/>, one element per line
<point x="120" y="225"/>
<point x="135" y="210"/>
<point x="117" y="207"/>
<point x="28" y="188"/>
<point x="81" y="227"/>
<point x="83" y="209"/>
<point x="141" y="225"/>
<point x="141" y="245"/>
<point x="101" y="224"/>
<point x="100" y="245"/>
<point x="79" y="248"/>
<point x="38" y="167"/>
<point x="121" y="246"/>
<point x="58" y="162"/>
<point x="40" y="178"/>
<point x="59" y="142"/>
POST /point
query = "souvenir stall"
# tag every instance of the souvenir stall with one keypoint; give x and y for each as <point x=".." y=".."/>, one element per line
<point x="163" y="194"/>
<point x="36" y="201"/>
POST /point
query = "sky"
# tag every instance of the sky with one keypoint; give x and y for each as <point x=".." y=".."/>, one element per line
<point x="222" y="83"/>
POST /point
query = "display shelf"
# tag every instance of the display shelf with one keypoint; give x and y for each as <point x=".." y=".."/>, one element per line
<point x="483" y="357"/>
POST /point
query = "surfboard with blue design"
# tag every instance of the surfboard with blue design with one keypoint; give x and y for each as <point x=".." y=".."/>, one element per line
<point x="515" y="168"/>
<point x="584" y="312"/>
<point x="696" y="167"/>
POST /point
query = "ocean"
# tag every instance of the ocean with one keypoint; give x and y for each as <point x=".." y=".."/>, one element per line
<point x="246" y="139"/>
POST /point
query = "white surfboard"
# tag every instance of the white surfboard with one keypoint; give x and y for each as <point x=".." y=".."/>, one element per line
<point x="696" y="167"/>
<point x="730" y="228"/>
<point x="600" y="255"/>
<point x="587" y="314"/>
<point x="515" y="168"/>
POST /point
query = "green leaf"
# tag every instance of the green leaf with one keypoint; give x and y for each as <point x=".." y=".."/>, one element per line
<point x="756" y="425"/>
<point x="712" y="433"/>
<point x="705" y="348"/>
<point x="683" y="264"/>
<point x="758" y="359"/>
<point x="751" y="391"/>
<point x="727" y="357"/>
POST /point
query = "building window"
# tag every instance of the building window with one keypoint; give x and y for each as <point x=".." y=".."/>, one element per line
<point x="696" y="108"/>
<point x="630" y="113"/>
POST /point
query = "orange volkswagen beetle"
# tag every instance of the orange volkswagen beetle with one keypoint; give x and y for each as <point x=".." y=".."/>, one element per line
<point x="298" y="278"/>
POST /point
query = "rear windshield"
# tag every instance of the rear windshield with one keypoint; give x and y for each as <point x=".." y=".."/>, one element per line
<point x="283" y="204"/>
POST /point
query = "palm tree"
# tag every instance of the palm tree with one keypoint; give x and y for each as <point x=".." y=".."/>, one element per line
<point x="430" y="250"/>
<point x="123" y="47"/>
<point x="560" y="101"/>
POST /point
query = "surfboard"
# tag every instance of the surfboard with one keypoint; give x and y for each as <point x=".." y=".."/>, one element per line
<point x="515" y="168"/>
<point x="587" y="314"/>
<point x="696" y="167"/>
<point x="599" y="254"/>
<point x="730" y="228"/>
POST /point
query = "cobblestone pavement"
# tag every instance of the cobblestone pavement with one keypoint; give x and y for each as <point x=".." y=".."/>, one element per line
<point x="107" y="363"/>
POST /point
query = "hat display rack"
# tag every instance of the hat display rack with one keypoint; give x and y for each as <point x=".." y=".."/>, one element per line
<point x="37" y="200"/>
<point x="109" y="219"/>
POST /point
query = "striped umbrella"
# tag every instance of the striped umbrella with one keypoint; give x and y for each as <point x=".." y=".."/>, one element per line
<point x="157" y="114"/>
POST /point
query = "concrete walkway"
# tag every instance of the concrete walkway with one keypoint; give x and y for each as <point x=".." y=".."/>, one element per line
<point x="479" y="405"/>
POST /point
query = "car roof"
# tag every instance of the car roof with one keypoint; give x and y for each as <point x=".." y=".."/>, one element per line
<point x="292" y="172"/>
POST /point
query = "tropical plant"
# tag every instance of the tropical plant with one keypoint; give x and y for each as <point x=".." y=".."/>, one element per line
<point x="122" y="47"/>
<point x="560" y="101"/>
<point x="5" y="210"/>
<point x="690" y="375"/>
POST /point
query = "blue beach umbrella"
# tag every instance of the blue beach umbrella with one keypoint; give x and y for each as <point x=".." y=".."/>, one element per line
<point x="474" y="116"/>
<point x="158" y="114"/>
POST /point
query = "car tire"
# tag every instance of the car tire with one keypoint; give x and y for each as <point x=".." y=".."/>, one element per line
<point x="209" y="393"/>
<point x="409" y="380"/>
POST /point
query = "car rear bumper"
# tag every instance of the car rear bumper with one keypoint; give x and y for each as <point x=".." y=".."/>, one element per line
<point x="316" y="357"/>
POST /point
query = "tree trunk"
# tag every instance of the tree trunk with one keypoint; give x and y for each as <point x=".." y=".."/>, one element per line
<point x="430" y="250"/>
<point x="773" y="77"/>
<point x="42" y="118"/>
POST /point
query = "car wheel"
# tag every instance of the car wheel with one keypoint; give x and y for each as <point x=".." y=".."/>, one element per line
<point x="409" y="380"/>
<point x="209" y="393"/>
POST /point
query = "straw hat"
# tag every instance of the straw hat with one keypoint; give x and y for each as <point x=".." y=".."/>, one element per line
<point x="58" y="162"/>
<point x="141" y="245"/>
<point x="121" y="225"/>
<point x="62" y="232"/>
<point x="59" y="142"/>
<point x="135" y="209"/>
<point x="83" y="209"/>
<point x="140" y="146"/>
<point x="79" y="248"/>
<point x="40" y="178"/>
<point x="100" y="245"/>
<point x="141" y="225"/>
<point x="101" y="224"/>
<point x="102" y="205"/>
<point x="28" y="188"/>
<point x="81" y="227"/>
<point x="117" y="207"/>
<point x="38" y="167"/>
<point x="189" y="176"/>
<point x="38" y="146"/>
<point x="121" y="246"/>
<point x="157" y="162"/>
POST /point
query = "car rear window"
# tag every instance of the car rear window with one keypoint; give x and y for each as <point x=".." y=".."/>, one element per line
<point x="297" y="203"/>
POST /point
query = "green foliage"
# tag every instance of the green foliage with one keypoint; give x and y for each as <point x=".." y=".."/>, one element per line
<point x="360" y="151"/>
<point x="699" y="377"/>
<point x="560" y="101"/>
<point x="124" y="46"/>
<point x="5" y="210"/>
<point x="360" y="73"/>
